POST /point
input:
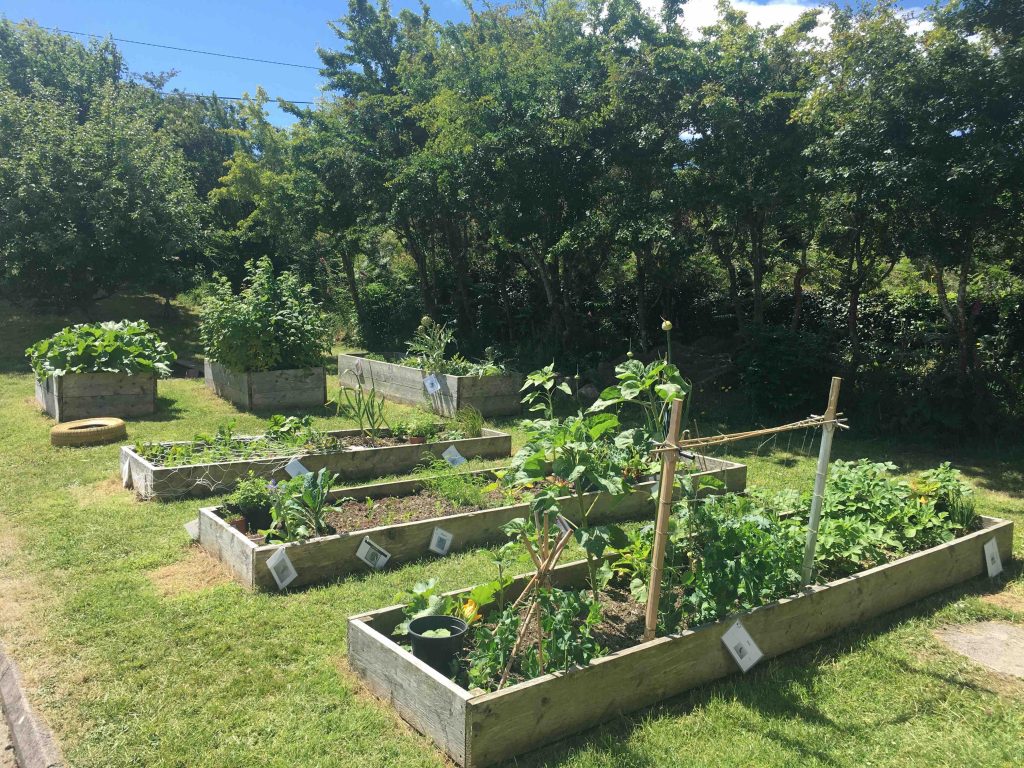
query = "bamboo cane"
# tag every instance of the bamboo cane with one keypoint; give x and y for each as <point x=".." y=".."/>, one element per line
<point x="824" y="451"/>
<point x="668" y="471"/>
<point x="533" y="585"/>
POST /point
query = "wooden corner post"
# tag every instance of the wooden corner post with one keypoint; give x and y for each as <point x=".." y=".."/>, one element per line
<point x="668" y="475"/>
<point x="828" y="430"/>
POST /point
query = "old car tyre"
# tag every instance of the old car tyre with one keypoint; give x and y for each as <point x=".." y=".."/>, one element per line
<point x="103" y="429"/>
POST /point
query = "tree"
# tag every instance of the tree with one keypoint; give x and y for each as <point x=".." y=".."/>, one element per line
<point x="746" y="171"/>
<point x="93" y="198"/>
<point x="861" y="154"/>
<point x="967" y="110"/>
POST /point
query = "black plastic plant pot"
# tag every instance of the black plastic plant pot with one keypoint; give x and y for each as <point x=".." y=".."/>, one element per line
<point x="438" y="652"/>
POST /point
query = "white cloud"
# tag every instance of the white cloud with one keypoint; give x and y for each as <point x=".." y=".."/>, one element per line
<point x="704" y="13"/>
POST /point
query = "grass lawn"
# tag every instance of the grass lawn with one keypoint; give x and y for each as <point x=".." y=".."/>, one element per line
<point x="139" y="650"/>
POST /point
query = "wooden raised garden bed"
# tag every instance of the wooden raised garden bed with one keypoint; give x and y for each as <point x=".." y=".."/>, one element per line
<point x="327" y="557"/>
<point x="88" y="395"/>
<point x="491" y="395"/>
<point x="480" y="729"/>
<point x="351" y="463"/>
<point x="263" y="390"/>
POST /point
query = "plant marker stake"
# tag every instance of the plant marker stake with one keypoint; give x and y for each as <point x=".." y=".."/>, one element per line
<point x="824" y="452"/>
<point x="668" y="473"/>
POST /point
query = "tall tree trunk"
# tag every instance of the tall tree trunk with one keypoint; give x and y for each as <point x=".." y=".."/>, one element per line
<point x="458" y="247"/>
<point x="853" y="328"/>
<point x="419" y="257"/>
<point x="961" y="323"/>
<point x="542" y="271"/>
<point x="757" y="266"/>
<point x="348" y="265"/>
<point x="798" y="291"/>
<point x="641" y="295"/>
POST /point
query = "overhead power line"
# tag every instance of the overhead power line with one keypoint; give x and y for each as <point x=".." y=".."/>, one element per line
<point x="185" y="50"/>
<point x="223" y="98"/>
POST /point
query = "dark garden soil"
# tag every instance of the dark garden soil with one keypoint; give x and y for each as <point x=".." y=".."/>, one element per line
<point x="361" y="441"/>
<point x="622" y="619"/>
<point x="355" y="515"/>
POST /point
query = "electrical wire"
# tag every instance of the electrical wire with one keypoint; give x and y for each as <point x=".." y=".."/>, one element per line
<point x="185" y="50"/>
<point x="218" y="96"/>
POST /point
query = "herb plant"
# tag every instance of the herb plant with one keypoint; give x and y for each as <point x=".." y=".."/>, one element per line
<point x="250" y="498"/>
<point x="115" y="347"/>
<point x="461" y="488"/>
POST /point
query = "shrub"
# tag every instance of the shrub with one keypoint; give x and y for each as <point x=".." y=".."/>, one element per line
<point x="785" y="372"/>
<point x="388" y="315"/>
<point x="272" y="324"/>
<point x="124" y="347"/>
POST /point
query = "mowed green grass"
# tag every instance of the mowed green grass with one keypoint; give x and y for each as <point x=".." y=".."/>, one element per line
<point x="139" y="653"/>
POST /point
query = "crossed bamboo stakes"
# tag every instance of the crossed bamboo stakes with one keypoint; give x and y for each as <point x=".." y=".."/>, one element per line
<point x="545" y="557"/>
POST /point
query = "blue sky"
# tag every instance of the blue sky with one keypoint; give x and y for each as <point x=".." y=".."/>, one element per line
<point x="263" y="29"/>
<point x="280" y="31"/>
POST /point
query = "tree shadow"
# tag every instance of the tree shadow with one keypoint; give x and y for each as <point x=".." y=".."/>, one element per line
<point x="21" y="325"/>
<point x="167" y="409"/>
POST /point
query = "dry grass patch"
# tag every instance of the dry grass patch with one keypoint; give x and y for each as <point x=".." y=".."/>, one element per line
<point x="195" y="572"/>
<point x="1009" y="599"/>
<point x="110" y="487"/>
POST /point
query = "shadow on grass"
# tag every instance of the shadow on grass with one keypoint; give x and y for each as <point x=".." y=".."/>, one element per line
<point x="782" y="690"/>
<point x="21" y="325"/>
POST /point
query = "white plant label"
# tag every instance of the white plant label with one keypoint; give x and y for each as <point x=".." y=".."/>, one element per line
<point x="741" y="646"/>
<point x="452" y="456"/>
<point x="126" y="473"/>
<point x="374" y="556"/>
<point x="358" y="367"/>
<point x="992" y="558"/>
<point x="441" y="541"/>
<point x="563" y="525"/>
<point x="294" y="468"/>
<point x="431" y="384"/>
<point x="281" y="568"/>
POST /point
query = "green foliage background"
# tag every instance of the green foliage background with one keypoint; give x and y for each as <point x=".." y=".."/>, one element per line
<point x="553" y="178"/>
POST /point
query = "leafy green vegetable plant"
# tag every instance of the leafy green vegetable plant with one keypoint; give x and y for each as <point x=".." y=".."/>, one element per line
<point x="115" y="347"/>
<point x="284" y="436"/>
<point x="650" y="387"/>
<point x="298" y="507"/>
<point x="540" y="387"/>
<point x="426" y="351"/>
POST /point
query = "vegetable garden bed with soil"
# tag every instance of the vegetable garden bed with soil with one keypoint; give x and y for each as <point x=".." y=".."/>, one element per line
<point x="216" y="463"/>
<point x="477" y="728"/>
<point x="263" y="390"/>
<point x="401" y="518"/>
<point x="494" y="394"/>
<point x="105" y="369"/>
<point x="88" y="395"/>
<point x="517" y="686"/>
